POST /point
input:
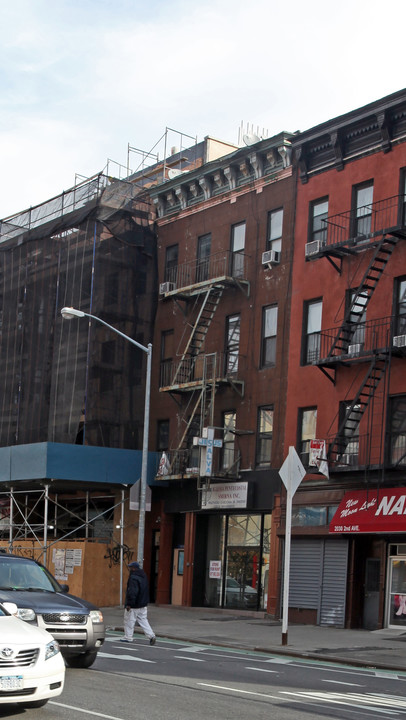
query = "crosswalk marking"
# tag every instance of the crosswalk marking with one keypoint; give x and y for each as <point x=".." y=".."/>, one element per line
<point x="383" y="703"/>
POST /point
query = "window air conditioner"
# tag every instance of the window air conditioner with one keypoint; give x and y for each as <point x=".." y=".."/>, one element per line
<point x="354" y="349"/>
<point x="166" y="287"/>
<point x="399" y="341"/>
<point x="270" y="257"/>
<point x="314" y="247"/>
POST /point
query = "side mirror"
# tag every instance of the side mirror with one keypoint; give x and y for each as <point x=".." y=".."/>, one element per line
<point x="10" y="607"/>
<point x="64" y="588"/>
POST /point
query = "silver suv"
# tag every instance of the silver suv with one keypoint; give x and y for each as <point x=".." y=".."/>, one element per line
<point x="76" y="624"/>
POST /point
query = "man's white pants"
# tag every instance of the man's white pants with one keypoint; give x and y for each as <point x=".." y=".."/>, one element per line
<point x="138" y="615"/>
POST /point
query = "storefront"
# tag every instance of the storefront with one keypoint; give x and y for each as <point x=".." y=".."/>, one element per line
<point x="233" y="548"/>
<point x="376" y="521"/>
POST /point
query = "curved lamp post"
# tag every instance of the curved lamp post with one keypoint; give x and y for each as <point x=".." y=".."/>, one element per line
<point x="68" y="313"/>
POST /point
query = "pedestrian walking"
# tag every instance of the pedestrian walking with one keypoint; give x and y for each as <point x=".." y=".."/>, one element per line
<point x="136" y="601"/>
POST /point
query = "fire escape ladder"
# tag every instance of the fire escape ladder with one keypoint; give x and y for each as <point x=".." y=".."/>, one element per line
<point x="204" y="403"/>
<point x="362" y="296"/>
<point x="199" y="329"/>
<point x="350" y="423"/>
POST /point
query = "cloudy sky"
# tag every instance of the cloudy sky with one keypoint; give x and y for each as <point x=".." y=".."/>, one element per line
<point x="80" y="80"/>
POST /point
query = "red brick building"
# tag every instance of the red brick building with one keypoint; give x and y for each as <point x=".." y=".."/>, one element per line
<point x="346" y="375"/>
<point x="220" y="349"/>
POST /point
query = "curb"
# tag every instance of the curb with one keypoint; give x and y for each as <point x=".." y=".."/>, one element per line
<point x="275" y="651"/>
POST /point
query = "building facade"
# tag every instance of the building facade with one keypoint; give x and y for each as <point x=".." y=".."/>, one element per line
<point x="346" y="376"/>
<point x="224" y="266"/>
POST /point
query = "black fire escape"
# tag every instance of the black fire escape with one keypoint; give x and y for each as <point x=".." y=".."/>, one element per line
<point x="356" y="340"/>
<point x="194" y="377"/>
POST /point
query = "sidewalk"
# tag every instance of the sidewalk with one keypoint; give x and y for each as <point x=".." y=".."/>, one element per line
<point x="385" y="649"/>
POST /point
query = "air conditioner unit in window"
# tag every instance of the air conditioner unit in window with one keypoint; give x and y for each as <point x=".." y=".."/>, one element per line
<point x="270" y="257"/>
<point x="399" y="341"/>
<point x="166" y="287"/>
<point x="354" y="349"/>
<point x="314" y="247"/>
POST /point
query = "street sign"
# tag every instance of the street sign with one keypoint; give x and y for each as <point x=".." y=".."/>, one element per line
<point x="292" y="471"/>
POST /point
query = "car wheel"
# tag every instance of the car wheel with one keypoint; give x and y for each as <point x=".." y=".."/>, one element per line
<point x="82" y="661"/>
<point x="35" y="703"/>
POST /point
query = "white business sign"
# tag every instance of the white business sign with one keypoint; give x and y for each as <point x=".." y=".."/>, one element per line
<point x="225" y="495"/>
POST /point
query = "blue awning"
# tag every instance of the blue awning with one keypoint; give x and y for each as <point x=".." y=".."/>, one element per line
<point x="73" y="463"/>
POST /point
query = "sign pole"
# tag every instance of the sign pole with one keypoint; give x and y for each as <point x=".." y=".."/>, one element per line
<point x="292" y="473"/>
<point x="286" y="575"/>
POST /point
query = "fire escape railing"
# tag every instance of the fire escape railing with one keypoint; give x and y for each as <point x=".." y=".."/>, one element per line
<point x="366" y="223"/>
<point x="219" y="265"/>
<point x="363" y="339"/>
<point x="194" y="370"/>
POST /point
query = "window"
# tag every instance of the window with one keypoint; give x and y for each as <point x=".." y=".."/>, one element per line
<point x="357" y="318"/>
<point x="237" y="249"/>
<point x="307" y="432"/>
<point x="171" y="264"/>
<point x="232" y="344"/>
<point x="264" y="436"/>
<point x="203" y="257"/>
<point x="162" y="435"/>
<point x="111" y="289"/>
<point x="167" y="354"/>
<point x="350" y="433"/>
<point x="269" y="327"/>
<point x="397" y="431"/>
<point x="228" y="440"/>
<point x="312" y="330"/>
<point x="317" y="218"/>
<point x="362" y="209"/>
<point x="108" y="352"/>
<point x="274" y="235"/>
<point x="400" y="309"/>
<point x="403" y="198"/>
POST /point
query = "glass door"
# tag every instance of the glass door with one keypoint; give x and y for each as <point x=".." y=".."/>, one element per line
<point x="397" y="592"/>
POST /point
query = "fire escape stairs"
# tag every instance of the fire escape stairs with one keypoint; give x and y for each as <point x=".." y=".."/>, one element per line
<point x="205" y="398"/>
<point x="362" y="296"/>
<point x="200" y="327"/>
<point x="350" y="423"/>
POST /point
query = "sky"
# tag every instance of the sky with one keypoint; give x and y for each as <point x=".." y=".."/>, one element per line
<point x="82" y="80"/>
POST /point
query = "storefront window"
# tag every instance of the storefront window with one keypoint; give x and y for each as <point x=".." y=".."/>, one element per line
<point x="397" y="592"/>
<point x="237" y="572"/>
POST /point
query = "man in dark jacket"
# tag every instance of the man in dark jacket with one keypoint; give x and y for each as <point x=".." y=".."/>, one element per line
<point x="136" y="601"/>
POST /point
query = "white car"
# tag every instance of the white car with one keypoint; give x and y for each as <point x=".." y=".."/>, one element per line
<point x="32" y="669"/>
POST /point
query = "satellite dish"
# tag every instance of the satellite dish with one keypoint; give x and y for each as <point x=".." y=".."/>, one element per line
<point x="250" y="139"/>
<point x="173" y="173"/>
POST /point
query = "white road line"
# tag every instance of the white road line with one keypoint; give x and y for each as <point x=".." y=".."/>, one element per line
<point x="190" y="659"/>
<point x="338" y="682"/>
<point x="84" y="710"/>
<point x="258" y="669"/>
<point x="125" y="657"/>
<point x="193" y="648"/>
<point x="235" y="690"/>
<point x="281" y="660"/>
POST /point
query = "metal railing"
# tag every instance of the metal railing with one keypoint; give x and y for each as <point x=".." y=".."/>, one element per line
<point x="365" y="222"/>
<point x="219" y="265"/>
<point x="198" y="369"/>
<point x="186" y="461"/>
<point x="360" y="339"/>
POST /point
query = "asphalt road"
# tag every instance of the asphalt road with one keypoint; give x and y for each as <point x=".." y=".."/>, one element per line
<point x="178" y="681"/>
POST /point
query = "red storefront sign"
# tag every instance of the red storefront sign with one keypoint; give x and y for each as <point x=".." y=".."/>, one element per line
<point x="375" y="511"/>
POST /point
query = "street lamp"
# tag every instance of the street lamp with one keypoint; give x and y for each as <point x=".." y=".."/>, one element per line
<point x="68" y="313"/>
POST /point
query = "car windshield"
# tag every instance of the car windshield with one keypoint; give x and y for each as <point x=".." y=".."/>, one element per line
<point x="25" y="575"/>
